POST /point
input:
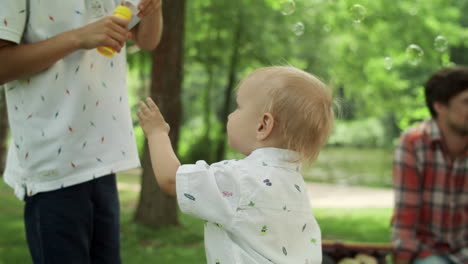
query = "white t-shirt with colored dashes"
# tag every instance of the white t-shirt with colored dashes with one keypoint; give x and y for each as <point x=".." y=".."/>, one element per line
<point x="70" y="123"/>
<point x="257" y="209"/>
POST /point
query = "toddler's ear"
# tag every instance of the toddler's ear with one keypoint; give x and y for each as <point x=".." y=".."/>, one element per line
<point x="265" y="126"/>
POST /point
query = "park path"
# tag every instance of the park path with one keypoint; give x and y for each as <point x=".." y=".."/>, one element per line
<point x="342" y="196"/>
<point x="324" y="195"/>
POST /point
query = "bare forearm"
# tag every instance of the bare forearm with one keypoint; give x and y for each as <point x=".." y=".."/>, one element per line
<point x="165" y="162"/>
<point x="147" y="33"/>
<point x="27" y="59"/>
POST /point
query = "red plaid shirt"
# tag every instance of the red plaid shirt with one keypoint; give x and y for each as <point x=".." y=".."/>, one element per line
<point x="431" y="197"/>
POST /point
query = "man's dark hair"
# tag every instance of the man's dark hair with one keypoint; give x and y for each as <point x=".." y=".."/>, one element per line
<point x="445" y="84"/>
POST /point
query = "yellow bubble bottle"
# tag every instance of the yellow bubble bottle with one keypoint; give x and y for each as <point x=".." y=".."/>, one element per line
<point x="122" y="12"/>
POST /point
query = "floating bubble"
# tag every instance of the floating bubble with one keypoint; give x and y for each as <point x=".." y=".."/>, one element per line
<point x="388" y="63"/>
<point x="414" y="54"/>
<point x="440" y="43"/>
<point x="415" y="6"/>
<point x="353" y="47"/>
<point x="413" y="11"/>
<point x="358" y="13"/>
<point x="298" y="28"/>
<point x="327" y="28"/>
<point x="288" y="7"/>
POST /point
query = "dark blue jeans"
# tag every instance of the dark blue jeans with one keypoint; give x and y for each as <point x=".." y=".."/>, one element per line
<point x="75" y="225"/>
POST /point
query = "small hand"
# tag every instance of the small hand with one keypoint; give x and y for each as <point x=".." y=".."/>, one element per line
<point x="151" y="119"/>
<point x="148" y="7"/>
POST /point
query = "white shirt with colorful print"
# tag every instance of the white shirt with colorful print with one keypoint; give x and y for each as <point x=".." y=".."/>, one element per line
<point x="257" y="209"/>
<point x="70" y="123"/>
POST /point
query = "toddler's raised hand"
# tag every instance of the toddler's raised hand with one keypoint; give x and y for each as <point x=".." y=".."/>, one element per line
<point x="151" y="119"/>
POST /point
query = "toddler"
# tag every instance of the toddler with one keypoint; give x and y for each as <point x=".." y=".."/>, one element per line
<point x="257" y="209"/>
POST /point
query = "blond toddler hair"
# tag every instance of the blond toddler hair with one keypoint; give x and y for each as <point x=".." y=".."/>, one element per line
<point x="302" y="107"/>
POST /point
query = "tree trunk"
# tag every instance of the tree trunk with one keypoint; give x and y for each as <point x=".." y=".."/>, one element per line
<point x="207" y="102"/>
<point x="3" y="131"/>
<point x="232" y="78"/>
<point x="156" y="208"/>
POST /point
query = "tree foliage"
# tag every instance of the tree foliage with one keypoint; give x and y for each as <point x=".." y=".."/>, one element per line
<point x="347" y="55"/>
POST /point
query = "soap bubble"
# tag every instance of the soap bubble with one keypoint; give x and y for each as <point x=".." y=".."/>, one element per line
<point x="413" y="11"/>
<point x="440" y="43"/>
<point x="288" y="7"/>
<point x="358" y="13"/>
<point x="415" y="6"/>
<point x="298" y="28"/>
<point x="388" y="63"/>
<point x="414" y="53"/>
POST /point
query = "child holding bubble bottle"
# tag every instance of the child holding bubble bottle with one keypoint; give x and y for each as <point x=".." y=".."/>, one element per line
<point x="257" y="208"/>
<point x="71" y="128"/>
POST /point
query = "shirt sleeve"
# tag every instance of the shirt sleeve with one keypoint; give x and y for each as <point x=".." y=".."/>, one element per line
<point x="208" y="192"/>
<point x="12" y="20"/>
<point x="407" y="186"/>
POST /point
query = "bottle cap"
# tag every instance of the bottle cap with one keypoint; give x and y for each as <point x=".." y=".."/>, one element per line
<point x="123" y="11"/>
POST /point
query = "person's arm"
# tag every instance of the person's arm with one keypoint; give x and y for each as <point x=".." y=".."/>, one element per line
<point x="163" y="159"/>
<point x="20" y="60"/>
<point x="147" y="33"/>
<point x="406" y="182"/>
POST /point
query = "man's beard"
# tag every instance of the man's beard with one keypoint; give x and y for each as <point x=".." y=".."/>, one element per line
<point x="461" y="130"/>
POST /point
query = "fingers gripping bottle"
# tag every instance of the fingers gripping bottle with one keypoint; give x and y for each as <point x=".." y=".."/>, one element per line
<point x="122" y="12"/>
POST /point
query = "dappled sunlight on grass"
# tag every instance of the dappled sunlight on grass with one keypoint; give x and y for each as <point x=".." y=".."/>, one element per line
<point x="355" y="225"/>
<point x="183" y="244"/>
<point x="172" y="244"/>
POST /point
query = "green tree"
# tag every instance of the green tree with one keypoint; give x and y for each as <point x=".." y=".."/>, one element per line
<point x="226" y="40"/>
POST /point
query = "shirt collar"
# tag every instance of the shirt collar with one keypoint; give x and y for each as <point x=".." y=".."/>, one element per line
<point x="276" y="157"/>
<point x="433" y="131"/>
<point x="435" y="135"/>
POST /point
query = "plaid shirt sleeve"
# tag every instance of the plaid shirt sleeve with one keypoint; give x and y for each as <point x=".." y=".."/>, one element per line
<point x="406" y="180"/>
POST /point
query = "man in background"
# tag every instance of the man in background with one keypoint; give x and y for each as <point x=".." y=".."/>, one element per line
<point x="430" y="173"/>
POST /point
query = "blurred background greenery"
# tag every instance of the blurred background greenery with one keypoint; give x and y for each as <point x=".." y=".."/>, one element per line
<point x="363" y="55"/>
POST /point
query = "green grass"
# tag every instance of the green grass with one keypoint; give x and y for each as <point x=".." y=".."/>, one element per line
<point x="183" y="244"/>
<point x="354" y="225"/>
<point x="352" y="166"/>
<point x="13" y="247"/>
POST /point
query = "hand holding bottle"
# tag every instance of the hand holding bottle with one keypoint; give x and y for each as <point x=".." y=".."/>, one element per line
<point x="120" y="12"/>
<point x="110" y="31"/>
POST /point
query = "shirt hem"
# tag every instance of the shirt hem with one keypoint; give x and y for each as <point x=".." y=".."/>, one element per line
<point x="30" y="189"/>
<point x="10" y="35"/>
